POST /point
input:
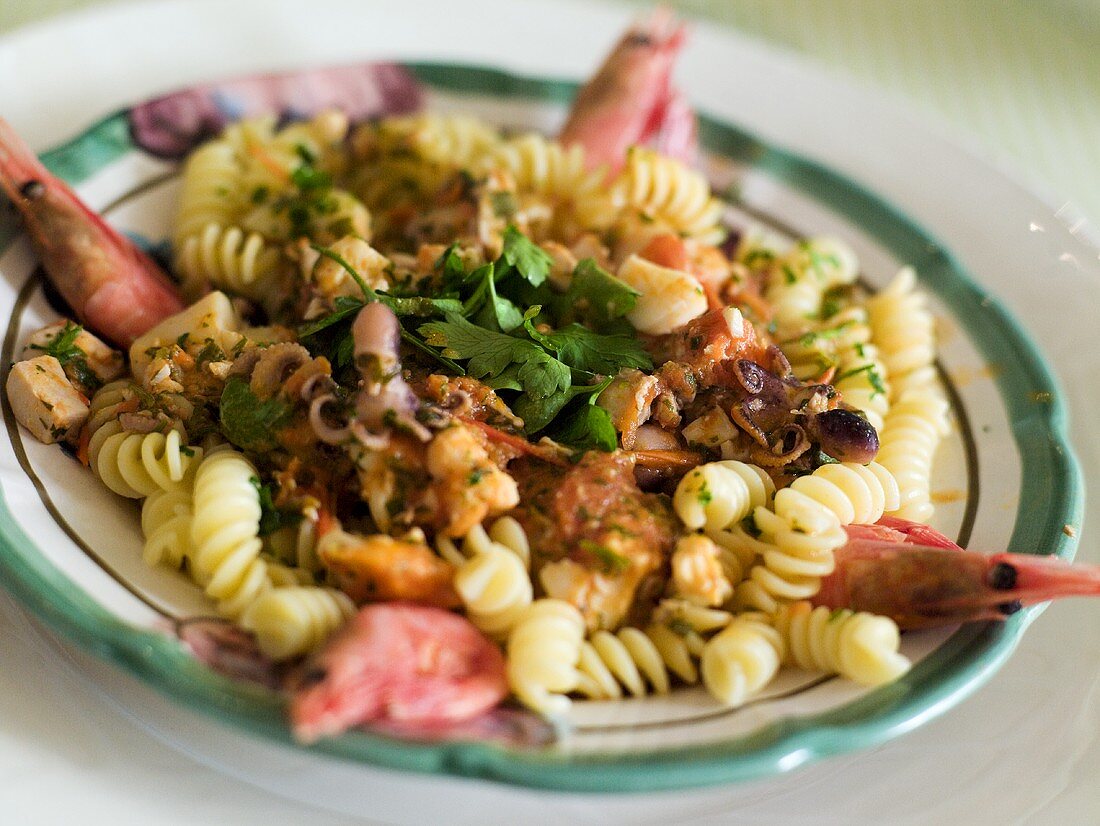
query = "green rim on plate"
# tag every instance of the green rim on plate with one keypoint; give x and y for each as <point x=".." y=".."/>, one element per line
<point x="1051" y="488"/>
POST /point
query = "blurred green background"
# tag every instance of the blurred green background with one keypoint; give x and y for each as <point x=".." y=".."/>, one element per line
<point x="1018" y="79"/>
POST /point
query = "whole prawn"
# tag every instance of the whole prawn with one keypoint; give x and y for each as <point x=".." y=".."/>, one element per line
<point x="113" y="287"/>
<point x="921" y="579"/>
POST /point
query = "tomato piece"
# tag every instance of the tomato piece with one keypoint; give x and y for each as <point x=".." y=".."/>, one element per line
<point x="400" y="663"/>
<point x="667" y="250"/>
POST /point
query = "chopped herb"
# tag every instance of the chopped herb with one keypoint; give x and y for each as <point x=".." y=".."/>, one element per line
<point x="591" y="352"/>
<point x="833" y="302"/>
<point x="680" y="626"/>
<point x="271" y="517"/>
<point x="874" y="378"/>
<point x="619" y="529"/>
<point x="758" y="256"/>
<point x="63" y="347"/>
<point x="819" y="261"/>
<point x="808" y="339"/>
<point x="210" y="352"/>
<point x="613" y="563"/>
<point x="748" y="525"/>
<point x="504" y="204"/>
<point x="704" y="496"/>
<point x="247" y="422"/>
<point x="490" y="353"/>
<point x="589" y="427"/>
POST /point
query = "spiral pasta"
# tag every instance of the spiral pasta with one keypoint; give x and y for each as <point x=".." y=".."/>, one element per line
<point x="627" y="659"/>
<point x="281" y="575"/>
<point x="741" y="659"/>
<point x="860" y="646"/>
<point x="166" y="526"/>
<point x="544" y="167"/>
<point x="904" y="331"/>
<point x="107" y="402"/>
<point x="544" y="649"/>
<point x="688" y="625"/>
<point x="841" y="347"/>
<point x="226" y="546"/>
<point x="295" y="620"/>
<point x="459" y="141"/>
<point x="798" y="281"/>
<point x="716" y="495"/>
<point x="135" y="465"/>
<point x="669" y="192"/>
<point x="910" y="434"/>
<point x="409" y="158"/>
<point x="210" y="190"/>
<point x="296" y="544"/>
<point x="246" y="193"/>
<point x="491" y="574"/>
<point x="805" y="527"/>
<point x="548" y="170"/>
<point x="227" y="256"/>
<point x="861" y="375"/>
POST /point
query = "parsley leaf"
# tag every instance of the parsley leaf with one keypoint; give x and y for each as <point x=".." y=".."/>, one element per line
<point x="537" y="413"/>
<point x="595" y="296"/>
<point x="588" y="426"/>
<point x="247" y="422"/>
<point x="490" y="353"/>
<point x="490" y="310"/>
<point x="591" y="352"/>
<point x="523" y="254"/>
<point x="345" y="307"/>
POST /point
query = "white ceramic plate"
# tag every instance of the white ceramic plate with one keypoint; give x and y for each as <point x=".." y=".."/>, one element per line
<point x="751" y="70"/>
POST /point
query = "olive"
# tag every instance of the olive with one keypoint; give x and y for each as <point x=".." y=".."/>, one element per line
<point x="846" y="436"/>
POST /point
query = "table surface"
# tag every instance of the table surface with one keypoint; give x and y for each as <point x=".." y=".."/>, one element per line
<point x="1018" y="80"/>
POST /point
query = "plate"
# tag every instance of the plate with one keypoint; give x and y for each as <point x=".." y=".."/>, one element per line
<point x="1010" y="449"/>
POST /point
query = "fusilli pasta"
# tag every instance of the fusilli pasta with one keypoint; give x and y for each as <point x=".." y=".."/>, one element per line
<point x="297" y="619"/>
<point x="669" y="192"/>
<point x="741" y="659"/>
<point x="544" y="649"/>
<point x="224" y="532"/>
<point x="860" y="646"/>
<point x="136" y="464"/>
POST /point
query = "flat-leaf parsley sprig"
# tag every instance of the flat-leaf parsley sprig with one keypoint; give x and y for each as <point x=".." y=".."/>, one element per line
<point x="501" y="323"/>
